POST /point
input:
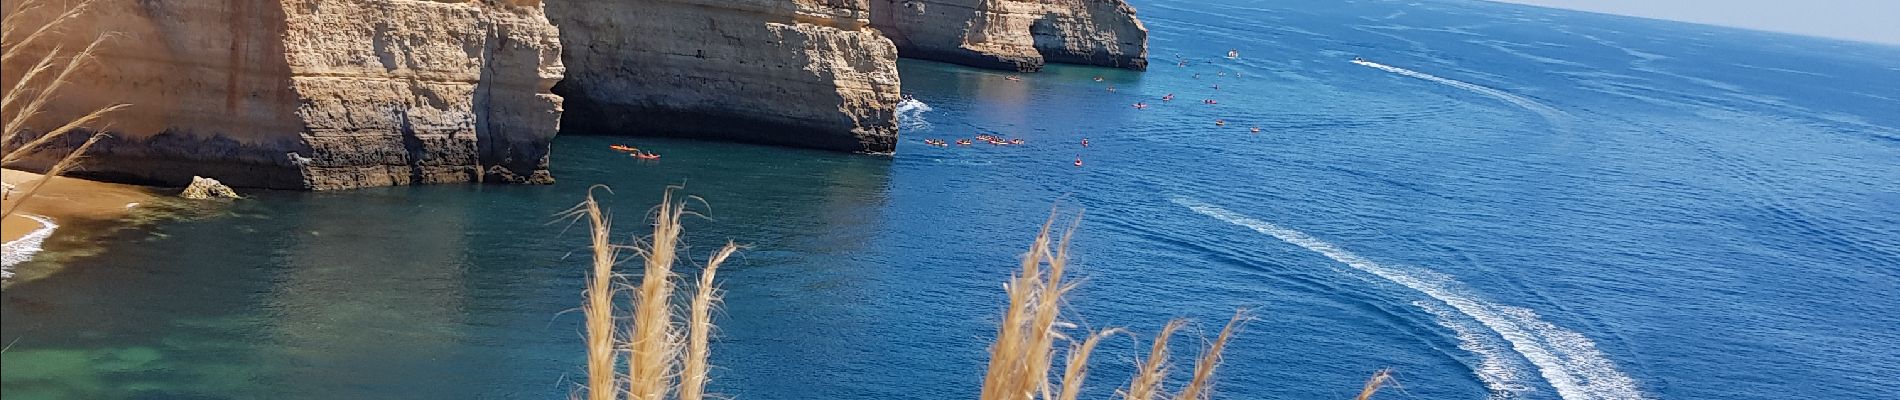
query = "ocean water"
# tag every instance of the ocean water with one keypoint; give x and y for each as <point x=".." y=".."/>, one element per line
<point x="1499" y="202"/>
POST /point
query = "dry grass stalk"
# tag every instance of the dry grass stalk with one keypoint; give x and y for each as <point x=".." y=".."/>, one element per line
<point x="1372" y="385"/>
<point x="601" y="354"/>
<point x="11" y="22"/>
<point x="1078" y="364"/>
<point x="1199" y="387"/>
<point x="699" y="328"/>
<point x="1019" y="359"/>
<point x="37" y="87"/>
<point x="653" y="349"/>
<point x="1146" y="385"/>
<point x="652" y="343"/>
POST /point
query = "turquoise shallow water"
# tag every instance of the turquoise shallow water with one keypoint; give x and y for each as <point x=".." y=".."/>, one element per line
<point x="1505" y="202"/>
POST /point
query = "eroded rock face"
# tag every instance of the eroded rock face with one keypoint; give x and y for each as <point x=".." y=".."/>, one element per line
<point x="316" y="94"/>
<point x="1015" y="34"/>
<point x="806" y="73"/>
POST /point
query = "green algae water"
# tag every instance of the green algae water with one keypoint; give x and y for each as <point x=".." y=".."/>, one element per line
<point x="1498" y="202"/>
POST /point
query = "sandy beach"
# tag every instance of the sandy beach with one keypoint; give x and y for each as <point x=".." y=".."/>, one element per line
<point x="68" y="203"/>
<point x="66" y="200"/>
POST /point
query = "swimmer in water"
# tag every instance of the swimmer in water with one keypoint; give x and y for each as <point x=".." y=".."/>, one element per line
<point x="1078" y="160"/>
<point x="1098" y="78"/>
<point x="1220" y="122"/>
<point x="1139" y="105"/>
<point x="1085" y="142"/>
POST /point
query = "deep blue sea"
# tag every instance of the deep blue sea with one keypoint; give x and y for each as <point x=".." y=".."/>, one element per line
<point x="1499" y="202"/>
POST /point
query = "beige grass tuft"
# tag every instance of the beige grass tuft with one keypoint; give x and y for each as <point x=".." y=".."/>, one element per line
<point x="661" y="358"/>
<point x="598" y="309"/>
<point x="1022" y="355"/>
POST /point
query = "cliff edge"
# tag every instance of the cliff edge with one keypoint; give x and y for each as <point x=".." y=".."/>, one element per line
<point x="312" y="94"/>
<point x="1017" y="35"/>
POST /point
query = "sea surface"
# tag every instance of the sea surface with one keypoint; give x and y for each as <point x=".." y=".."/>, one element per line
<point x="1499" y="202"/>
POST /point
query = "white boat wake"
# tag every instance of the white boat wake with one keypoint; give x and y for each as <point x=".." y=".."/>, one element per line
<point x="910" y="116"/>
<point x="1567" y="360"/>
<point x="1550" y="114"/>
<point x="22" y="249"/>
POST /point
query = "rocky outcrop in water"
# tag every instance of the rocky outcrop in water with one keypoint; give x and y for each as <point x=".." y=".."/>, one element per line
<point x="1015" y="34"/>
<point x="806" y="73"/>
<point x="316" y="94"/>
<point x="203" y="188"/>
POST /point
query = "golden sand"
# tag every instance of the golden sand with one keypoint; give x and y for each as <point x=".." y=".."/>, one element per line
<point x="66" y="200"/>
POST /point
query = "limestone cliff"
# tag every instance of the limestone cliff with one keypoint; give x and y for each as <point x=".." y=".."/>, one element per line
<point x="807" y="73"/>
<point x="1015" y="34"/>
<point x="317" y="94"/>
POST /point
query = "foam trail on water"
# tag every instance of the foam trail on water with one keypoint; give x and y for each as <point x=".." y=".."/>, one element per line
<point x="910" y="116"/>
<point x="1501" y="373"/>
<point x="22" y="249"/>
<point x="1553" y="115"/>
<point x="1566" y="359"/>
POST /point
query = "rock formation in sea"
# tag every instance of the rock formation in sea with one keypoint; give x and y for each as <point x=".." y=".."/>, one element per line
<point x="336" y="94"/>
<point x="1015" y="34"/>
<point x="314" y="94"/>
<point x="806" y="73"/>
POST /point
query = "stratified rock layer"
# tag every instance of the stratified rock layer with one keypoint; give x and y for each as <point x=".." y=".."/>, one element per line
<point x="1015" y="34"/>
<point x="316" y="94"/>
<point x="806" y="73"/>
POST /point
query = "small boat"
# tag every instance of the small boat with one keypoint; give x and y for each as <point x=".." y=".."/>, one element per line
<point x="1078" y="161"/>
<point x="1016" y="142"/>
<point x="622" y="147"/>
<point x="1256" y="129"/>
<point x="1014" y="78"/>
<point x="646" y="156"/>
<point x="963" y="142"/>
<point x="1220" y="122"/>
<point x="1098" y="78"/>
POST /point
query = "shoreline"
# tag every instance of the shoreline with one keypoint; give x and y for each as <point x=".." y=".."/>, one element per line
<point x="65" y="209"/>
